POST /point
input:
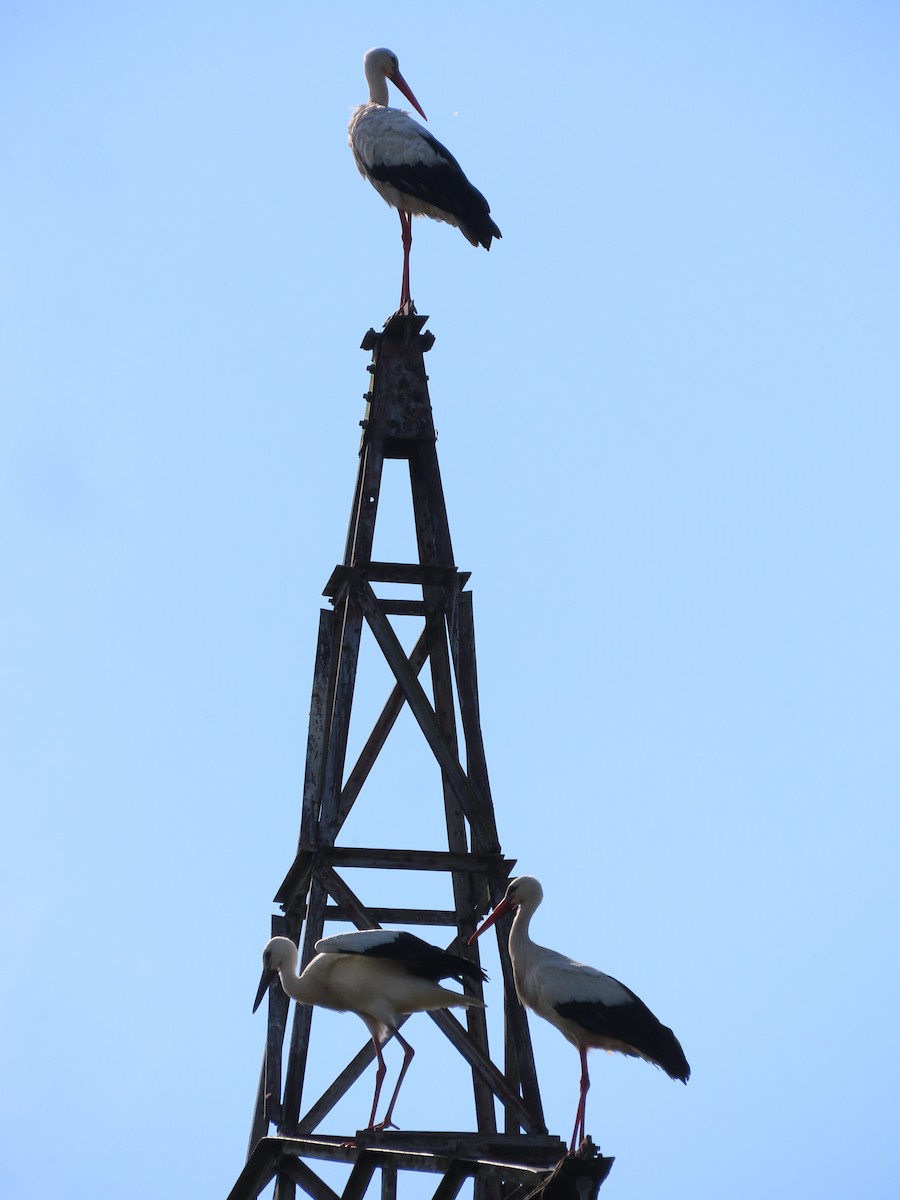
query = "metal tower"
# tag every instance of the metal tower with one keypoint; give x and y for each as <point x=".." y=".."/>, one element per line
<point x="523" y="1159"/>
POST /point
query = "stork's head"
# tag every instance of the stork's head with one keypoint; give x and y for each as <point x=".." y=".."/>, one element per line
<point x="380" y="64"/>
<point x="279" y="952"/>
<point x="523" y="890"/>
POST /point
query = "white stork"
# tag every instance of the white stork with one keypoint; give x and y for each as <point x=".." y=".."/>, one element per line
<point x="381" y="975"/>
<point x="408" y="167"/>
<point x="586" y="1006"/>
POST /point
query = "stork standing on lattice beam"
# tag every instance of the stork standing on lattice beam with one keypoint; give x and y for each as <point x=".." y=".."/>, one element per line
<point x="381" y="975"/>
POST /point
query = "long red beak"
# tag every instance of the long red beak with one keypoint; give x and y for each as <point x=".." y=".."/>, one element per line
<point x="398" y="81"/>
<point x="503" y="907"/>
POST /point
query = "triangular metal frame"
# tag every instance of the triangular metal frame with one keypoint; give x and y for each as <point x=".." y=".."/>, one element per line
<point x="398" y="425"/>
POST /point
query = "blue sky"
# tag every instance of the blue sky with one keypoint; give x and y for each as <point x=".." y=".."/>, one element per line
<point x="667" y="404"/>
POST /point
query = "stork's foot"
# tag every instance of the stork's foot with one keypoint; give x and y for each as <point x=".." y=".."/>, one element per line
<point x="586" y="1149"/>
<point x="382" y="1126"/>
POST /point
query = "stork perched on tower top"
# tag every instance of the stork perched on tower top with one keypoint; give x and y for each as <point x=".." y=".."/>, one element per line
<point x="409" y="168"/>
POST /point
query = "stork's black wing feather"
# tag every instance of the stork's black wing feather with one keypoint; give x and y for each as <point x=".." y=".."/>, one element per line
<point x="427" y="961"/>
<point x="442" y="183"/>
<point x="633" y="1024"/>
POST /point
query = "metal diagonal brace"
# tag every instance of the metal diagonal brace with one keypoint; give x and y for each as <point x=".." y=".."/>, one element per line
<point x="396" y="658"/>
<point x="378" y="736"/>
<point x="298" y="1172"/>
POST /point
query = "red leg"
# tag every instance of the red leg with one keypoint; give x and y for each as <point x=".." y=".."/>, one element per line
<point x="578" y="1131"/>
<point x="408" y="1053"/>
<point x="406" y="238"/>
<point x="379" y="1080"/>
